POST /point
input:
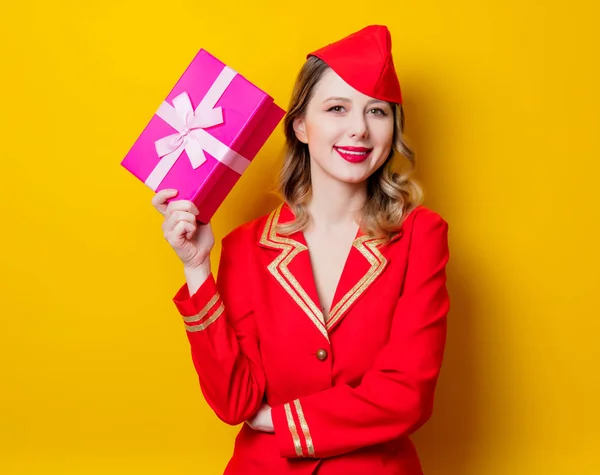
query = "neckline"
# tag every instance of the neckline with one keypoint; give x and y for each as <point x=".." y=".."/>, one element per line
<point x="300" y="238"/>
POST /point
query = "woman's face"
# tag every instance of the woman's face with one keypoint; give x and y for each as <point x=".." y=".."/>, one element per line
<point x="349" y="134"/>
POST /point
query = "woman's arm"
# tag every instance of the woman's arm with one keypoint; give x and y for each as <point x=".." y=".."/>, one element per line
<point x="196" y="276"/>
<point x="222" y="333"/>
<point x="395" y="397"/>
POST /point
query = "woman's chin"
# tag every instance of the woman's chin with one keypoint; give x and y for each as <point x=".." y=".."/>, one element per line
<point x="350" y="178"/>
<point x="350" y="173"/>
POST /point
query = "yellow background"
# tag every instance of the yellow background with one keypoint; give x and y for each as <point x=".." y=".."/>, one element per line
<point x="503" y="111"/>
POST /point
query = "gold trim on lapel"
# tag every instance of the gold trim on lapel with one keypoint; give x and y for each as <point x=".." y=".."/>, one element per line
<point x="279" y="268"/>
<point x="364" y="244"/>
<point x="367" y="246"/>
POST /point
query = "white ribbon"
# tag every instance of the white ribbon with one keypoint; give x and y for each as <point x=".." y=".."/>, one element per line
<point x="191" y="135"/>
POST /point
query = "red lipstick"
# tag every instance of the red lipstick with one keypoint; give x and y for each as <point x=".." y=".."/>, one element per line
<point x="354" y="154"/>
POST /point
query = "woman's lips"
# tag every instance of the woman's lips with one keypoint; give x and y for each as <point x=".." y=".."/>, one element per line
<point x="354" y="154"/>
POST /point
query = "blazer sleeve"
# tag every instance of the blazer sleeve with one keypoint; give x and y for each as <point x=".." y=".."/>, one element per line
<point x="395" y="397"/>
<point x="221" y="329"/>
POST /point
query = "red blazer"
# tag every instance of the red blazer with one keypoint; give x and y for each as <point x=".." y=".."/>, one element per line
<point x="346" y="394"/>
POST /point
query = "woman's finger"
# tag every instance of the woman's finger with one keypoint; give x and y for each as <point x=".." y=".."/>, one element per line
<point x="176" y="237"/>
<point x="181" y="205"/>
<point x="160" y="198"/>
<point x="173" y="218"/>
<point x="190" y="229"/>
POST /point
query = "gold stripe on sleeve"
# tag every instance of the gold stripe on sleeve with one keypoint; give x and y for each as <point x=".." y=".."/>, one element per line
<point x="196" y="318"/>
<point x="292" y="427"/>
<point x="304" y="427"/>
<point x="208" y="322"/>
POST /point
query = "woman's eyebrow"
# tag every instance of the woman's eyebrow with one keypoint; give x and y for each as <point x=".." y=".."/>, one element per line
<point x="377" y="101"/>
<point x="345" y="99"/>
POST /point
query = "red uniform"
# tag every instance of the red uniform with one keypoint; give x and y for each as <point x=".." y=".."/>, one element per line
<point x="346" y="393"/>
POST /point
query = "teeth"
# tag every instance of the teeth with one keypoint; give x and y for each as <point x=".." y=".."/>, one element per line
<point x="353" y="153"/>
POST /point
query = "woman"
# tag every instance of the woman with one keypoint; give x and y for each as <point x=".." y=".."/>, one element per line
<point x="326" y="329"/>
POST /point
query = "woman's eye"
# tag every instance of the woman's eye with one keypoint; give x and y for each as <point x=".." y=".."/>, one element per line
<point x="335" y="109"/>
<point x="378" y="111"/>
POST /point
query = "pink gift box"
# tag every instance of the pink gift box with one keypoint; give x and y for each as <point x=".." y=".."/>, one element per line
<point x="204" y="136"/>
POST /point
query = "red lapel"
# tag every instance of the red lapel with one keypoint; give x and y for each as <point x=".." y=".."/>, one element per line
<point x="293" y="271"/>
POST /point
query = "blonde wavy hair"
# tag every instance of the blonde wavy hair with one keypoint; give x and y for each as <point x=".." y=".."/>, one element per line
<point x="391" y="195"/>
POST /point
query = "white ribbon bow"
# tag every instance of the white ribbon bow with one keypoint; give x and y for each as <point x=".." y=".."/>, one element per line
<point x="191" y="135"/>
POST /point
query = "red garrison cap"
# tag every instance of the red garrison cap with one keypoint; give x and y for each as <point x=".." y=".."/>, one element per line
<point x="364" y="60"/>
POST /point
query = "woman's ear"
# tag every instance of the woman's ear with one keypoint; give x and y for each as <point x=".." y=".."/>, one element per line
<point x="300" y="129"/>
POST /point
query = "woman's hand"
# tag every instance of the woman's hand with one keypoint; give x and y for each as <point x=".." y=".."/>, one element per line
<point x="262" y="420"/>
<point x="191" y="241"/>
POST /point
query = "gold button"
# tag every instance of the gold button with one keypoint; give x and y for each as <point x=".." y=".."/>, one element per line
<point x="322" y="354"/>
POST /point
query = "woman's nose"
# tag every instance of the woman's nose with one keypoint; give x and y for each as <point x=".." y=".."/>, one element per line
<point x="358" y="126"/>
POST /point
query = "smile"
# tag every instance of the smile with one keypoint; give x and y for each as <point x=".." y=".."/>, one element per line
<point x="354" y="154"/>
